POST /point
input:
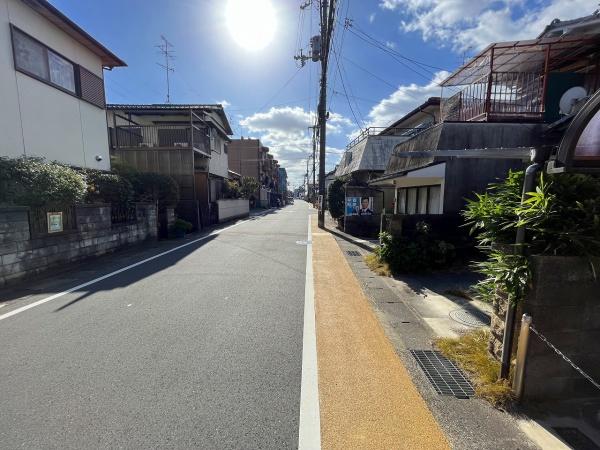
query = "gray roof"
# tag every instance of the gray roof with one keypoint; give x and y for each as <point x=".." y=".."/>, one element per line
<point x="166" y="108"/>
<point x="50" y="12"/>
<point x="370" y="154"/>
<point x="460" y="136"/>
<point x="587" y="25"/>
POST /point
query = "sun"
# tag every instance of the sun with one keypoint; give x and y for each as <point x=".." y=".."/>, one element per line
<point x="252" y="23"/>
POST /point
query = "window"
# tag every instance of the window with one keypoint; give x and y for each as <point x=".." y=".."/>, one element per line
<point x="30" y="56"/>
<point x="419" y="200"/>
<point x="62" y="72"/>
<point x="35" y="59"/>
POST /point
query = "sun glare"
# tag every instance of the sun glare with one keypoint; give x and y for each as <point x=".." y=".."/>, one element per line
<point x="251" y="23"/>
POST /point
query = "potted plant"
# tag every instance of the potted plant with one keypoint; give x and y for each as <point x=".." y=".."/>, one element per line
<point x="180" y="227"/>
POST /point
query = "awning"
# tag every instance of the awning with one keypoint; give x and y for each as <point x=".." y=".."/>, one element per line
<point x="423" y="176"/>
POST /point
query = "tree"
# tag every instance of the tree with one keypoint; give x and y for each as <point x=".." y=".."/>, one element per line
<point x="249" y="186"/>
<point x="336" y="197"/>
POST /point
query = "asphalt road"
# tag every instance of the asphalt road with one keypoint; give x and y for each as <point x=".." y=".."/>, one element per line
<point x="198" y="348"/>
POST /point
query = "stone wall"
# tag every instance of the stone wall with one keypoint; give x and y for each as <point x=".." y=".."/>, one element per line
<point x="22" y="255"/>
<point x="564" y="304"/>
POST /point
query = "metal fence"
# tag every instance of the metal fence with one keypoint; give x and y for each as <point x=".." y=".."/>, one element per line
<point x="123" y="214"/>
<point x="510" y="94"/>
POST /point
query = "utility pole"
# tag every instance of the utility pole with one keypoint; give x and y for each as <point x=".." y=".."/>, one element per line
<point x="164" y="50"/>
<point x="327" y="21"/>
<point x="320" y="45"/>
<point x="314" y="154"/>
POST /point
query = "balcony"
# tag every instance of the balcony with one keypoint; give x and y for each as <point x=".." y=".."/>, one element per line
<point x="500" y="96"/>
<point x="520" y="81"/>
<point x="161" y="137"/>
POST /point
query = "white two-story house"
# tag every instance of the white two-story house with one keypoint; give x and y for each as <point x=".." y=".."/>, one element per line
<point x="51" y="86"/>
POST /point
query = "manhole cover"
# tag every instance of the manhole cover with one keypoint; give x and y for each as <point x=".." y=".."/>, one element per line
<point x="576" y="438"/>
<point x="446" y="378"/>
<point x="475" y="319"/>
<point x="352" y="253"/>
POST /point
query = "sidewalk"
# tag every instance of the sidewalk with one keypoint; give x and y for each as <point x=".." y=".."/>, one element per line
<point x="466" y="423"/>
<point x="367" y="397"/>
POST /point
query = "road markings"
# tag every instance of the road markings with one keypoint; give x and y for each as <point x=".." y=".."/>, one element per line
<point x="309" y="436"/>
<point x="116" y="272"/>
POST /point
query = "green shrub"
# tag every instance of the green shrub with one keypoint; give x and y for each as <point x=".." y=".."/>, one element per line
<point x="418" y="253"/>
<point x="181" y="224"/>
<point x="336" y="198"/>
<point x="561" y="217"/>
<point x="36" y="183"/>
<point x="149" y="187"/>
<point x="249" y="186"/>
<point x="104" y="187"/>
<point x="231" y="189"/>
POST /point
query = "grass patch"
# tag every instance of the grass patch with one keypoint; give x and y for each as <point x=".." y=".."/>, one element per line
<point x="470" y="352"/>
<point x="376" y="265"/>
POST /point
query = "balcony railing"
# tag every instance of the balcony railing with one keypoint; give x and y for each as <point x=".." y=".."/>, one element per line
<point x="511" y="95"/>
<point x="377" y="131"/>
<point x="160" y="136"/>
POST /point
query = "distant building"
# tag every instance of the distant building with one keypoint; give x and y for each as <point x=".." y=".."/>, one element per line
<point x="52" y="86"/>
<point x="187" y="142"/>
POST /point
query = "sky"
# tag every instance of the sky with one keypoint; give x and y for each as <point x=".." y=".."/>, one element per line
<point x="389" y="57"/>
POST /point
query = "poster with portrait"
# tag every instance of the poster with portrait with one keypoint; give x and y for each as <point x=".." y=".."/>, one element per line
<point x="359" y="206"/>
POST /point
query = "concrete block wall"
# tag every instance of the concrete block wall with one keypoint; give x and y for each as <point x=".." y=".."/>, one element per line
<point x="565" y="308"/>
<point x="22" y="256"/>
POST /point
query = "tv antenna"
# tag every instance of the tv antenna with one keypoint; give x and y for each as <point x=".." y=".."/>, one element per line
<point x="165" y="49"/>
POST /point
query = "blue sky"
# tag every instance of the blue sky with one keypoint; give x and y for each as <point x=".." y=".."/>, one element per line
<point x="264" y="92"/>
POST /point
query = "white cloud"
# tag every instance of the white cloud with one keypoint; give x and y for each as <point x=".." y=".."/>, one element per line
<point x="224" y="103"/>
<point x="473" y="24"/>
<point x="390" y="44"/>
<point x="372" y="17"/>
<point x="403" y="100"/>
<point x="285" y="131"/>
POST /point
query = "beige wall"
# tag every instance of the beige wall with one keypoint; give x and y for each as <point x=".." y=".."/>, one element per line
<point x="37" y="119"/>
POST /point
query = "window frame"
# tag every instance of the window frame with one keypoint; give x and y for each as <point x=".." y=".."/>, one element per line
<point x="403" y="192"/>
<point x="76" y="68"/>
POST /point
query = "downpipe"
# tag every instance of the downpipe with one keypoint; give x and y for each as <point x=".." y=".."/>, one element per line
<point x="539" y="157"/>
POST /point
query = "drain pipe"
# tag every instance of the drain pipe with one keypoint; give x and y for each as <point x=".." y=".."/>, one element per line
<point x="538" y="157"/>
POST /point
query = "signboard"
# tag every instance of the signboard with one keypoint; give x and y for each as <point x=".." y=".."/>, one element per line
<point x="359" y="206"/>
<point x="579" y="150"/>
<point x="55" y="222"/>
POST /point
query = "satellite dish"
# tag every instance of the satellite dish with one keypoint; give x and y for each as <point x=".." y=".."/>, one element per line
<point x="570" y="98"/>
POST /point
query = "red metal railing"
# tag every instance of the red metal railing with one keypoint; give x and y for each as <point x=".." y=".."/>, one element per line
<point x="511" y="95"/>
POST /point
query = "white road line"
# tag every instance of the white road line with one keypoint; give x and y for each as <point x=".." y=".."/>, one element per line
<point x="116" y="272"/>
<point x="310" y="421"/>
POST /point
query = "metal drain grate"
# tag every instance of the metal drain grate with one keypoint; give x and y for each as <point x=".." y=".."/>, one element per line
<point x="576" y="438"/>
<point x="352" y="253"/>
<point x="446" y="378"/>
<point x="473" y="318"/>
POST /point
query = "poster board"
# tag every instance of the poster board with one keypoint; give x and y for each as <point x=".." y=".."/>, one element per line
<point x="55" y="222"/>
<point x="359" y="206"/>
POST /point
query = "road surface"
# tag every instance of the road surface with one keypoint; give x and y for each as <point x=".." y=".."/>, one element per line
<point x="201" y="347"/>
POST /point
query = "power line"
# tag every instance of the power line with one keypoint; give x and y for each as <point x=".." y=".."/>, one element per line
<point x="337" y="62"/>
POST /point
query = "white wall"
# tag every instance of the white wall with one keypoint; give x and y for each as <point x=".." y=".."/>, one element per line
<point x="37" y="119"/>
<point x="230" y="209"/>
<point x="219" y="163"/>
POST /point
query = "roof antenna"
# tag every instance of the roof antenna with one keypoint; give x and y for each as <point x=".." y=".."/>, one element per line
<point x="164" y="49"/>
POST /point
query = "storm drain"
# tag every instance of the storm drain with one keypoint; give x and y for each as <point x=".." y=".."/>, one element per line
<point x="576" y="438"/>
<point x="352" y="253"/>
<point x="446" y="378"/>
<point x="473" y="318"/>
